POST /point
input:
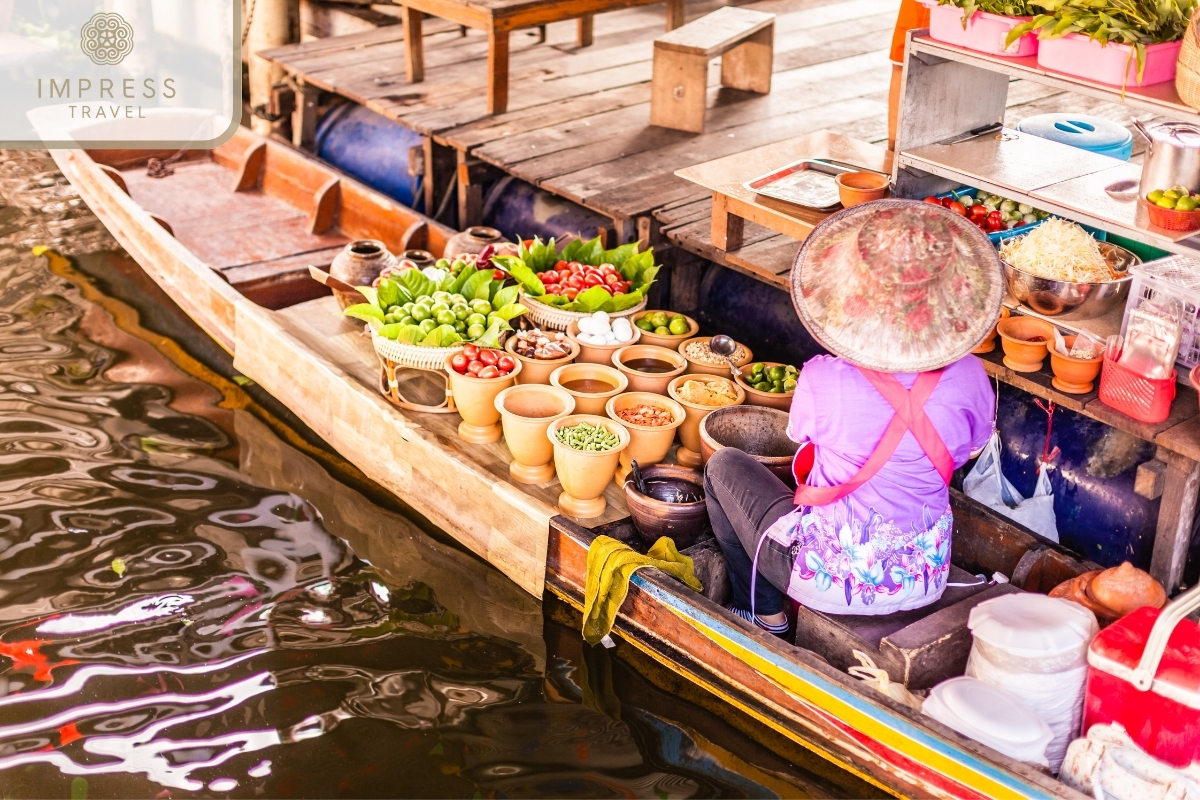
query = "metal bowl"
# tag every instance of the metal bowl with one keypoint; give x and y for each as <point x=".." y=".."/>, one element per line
<point x="1071" y="300"/>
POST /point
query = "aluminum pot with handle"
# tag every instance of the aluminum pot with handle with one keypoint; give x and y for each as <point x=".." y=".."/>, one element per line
<point x="1172" y="156"/>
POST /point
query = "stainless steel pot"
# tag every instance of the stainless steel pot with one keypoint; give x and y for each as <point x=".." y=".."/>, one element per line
<point x="1172" y="156"/>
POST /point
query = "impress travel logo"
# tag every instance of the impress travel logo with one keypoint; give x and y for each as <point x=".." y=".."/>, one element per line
<point x="119" y="73"/>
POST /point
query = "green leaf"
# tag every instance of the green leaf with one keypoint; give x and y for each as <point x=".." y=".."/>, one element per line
<point x="491" y="336"/>
<point x="539" y="256"/>
<point x="416" y="283"/>
<point x="463" y="277"/>
<point x="369" y="293"/>
<point x="522" y="274"/>
<point x="390" y="294"/>
<point x="510" y="311"/>
<point x="392" y="330"/>
<point x="478" y="286"/>
<point x="449" y="282"/>
<point x="552" y="300"/>
<point x="364" y="311"/>
<point x="646" y="277"/>
<point x="620" y="255"/>
<point x="441" y="336"/>
<point x="591" y="299"/>
<point x="621" y="302"/>
<point x="588" y="252"/>
<point x="410" y="334"/>
<point x="505" y="296"/>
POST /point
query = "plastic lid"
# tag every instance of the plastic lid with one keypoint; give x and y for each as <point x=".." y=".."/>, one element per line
<point x="1033" y="625"/>
<point x="1078" y="130"/>
<point x="993" y="716"/>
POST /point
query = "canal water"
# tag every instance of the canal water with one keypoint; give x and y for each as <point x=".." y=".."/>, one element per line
<point x="197" y="599"/>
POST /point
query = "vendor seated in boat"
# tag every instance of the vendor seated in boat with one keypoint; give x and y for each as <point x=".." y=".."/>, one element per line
<point x="900" y="292"/>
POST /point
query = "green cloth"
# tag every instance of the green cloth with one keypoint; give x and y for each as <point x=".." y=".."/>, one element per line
<point x="610" y="565"/>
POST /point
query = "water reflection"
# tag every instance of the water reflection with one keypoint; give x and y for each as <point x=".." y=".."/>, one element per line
<point x="189" y="606"/>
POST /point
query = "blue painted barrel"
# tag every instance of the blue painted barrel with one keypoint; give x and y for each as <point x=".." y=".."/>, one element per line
<point x="520" y="209"/>
<point x="1098" y="513"/>
<point x="369" y="147"/>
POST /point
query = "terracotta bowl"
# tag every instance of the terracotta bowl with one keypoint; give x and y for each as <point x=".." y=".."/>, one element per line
<point x="537" y="370"/>
<point x="1074" y="375"/>
<point x="722" y="369"/>
<point x="648" y="381"/>
<point x="861" y="187"/>
<point x="475" y="399"/>
<point x="1020" y="354"/>
<point x="757" y="431"/>
<point x="681" y="522"/>
<point x="989" y="344"/>
<point x="584" y="474"/>
<point x="589" y="402"/>
<point x="1126" y="588"/>
<point x="756" y="398"/>
<point x="688" y="453"/>
<point x="525" y="413"/>
<point x="648" y="444"/>
<point x="669" y="341"/>
<point x="598" y="353"/>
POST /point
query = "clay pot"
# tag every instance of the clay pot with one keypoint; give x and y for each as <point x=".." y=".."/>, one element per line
<point x="1020" y="354"/>
<point x="472" y="240"/>
<point x="755" y="430"/>
<point x="589" y="402"/>
<point x="537" y="370"/>
<point x="861" y="187"/>
<point x="756" y="398"/>
<point x="1075" y="590"/>
<point x="584" y="474"/>
<point x="1074" y="375"/>
<point x="525" y="413"/>
<point x="1126" y="588"/>
<point x="648" y="444"/>
<point x="688" y="453"/>
<point x="989" y="344"/>
<point x="598" y="353"/>
<point x="670" y="341"/>
<point x="475" y="399"/>
<point x="681" y="522"/>
<point x="420" y="258"/>
<point x="359" y="264"/>
<point x="722" y="369"/>
<point x="655" y="382"/>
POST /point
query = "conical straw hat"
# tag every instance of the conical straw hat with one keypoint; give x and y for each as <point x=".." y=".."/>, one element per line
<point x="898" y="285"/>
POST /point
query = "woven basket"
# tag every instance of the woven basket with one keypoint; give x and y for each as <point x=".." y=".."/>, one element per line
<point x="547" y="317"/>
<point x="1187" y="70"/>
<point x="411" y="355"/>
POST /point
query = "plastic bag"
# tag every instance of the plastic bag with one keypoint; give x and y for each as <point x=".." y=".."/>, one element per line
<point x="987" y="484"/>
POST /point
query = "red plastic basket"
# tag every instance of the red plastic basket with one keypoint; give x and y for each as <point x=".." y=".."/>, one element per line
<point x="1140" y="397"/>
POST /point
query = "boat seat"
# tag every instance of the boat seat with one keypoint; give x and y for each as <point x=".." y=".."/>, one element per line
<point x="918" y="648"/>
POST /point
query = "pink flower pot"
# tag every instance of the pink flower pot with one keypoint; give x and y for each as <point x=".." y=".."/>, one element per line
<point x="1112" y="64"/>
<point x="985" y="33"/>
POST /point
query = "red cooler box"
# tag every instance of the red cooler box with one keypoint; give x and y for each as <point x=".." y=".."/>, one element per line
<point x="1144" y="672"/>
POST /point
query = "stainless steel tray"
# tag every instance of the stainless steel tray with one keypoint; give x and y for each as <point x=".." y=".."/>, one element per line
<point x="807" y="182"/>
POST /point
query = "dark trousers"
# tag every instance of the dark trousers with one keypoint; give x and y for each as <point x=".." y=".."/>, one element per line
<point x="744" y="498"/>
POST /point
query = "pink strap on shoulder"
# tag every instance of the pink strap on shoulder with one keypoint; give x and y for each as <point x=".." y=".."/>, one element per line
<point x="909" y="407"/>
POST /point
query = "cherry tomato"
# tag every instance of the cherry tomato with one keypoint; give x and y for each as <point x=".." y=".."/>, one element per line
<point x="575" y="282"/>
<point x="571" y="292"/>
<point x="576" y="268"/>
<point x="933" y="200"/>
<point x="459" y="362"/>
<point x="957" y="208"/>
<point x="554" y="288"/>
<point x="977" y="213"/>
<point x="548" y="277"/>
<point x="592" y="280"/>
<point x="488" y="372"/>
<point x="560" y="265"/>
<point x="499" y="274"/>
<point x="995" y="222"/>
<point x="474" y="367"/>
<point x="607" y="268"/>
<point x="946" y="201"/>
<point x="489" y="357"/>
<point x="471" y="351"/>
<point x="505" y="363"/>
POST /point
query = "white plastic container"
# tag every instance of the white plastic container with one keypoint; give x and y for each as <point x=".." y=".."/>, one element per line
<point x="992" y="716"/>
<point x="1036" y="647"/>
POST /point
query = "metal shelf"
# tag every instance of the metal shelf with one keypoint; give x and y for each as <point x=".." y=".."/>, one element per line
<point x="1159" y="98"/>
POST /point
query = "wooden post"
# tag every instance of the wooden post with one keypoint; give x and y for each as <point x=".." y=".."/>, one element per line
<point x="676" y="14"/>
<point x="440" y="169"/>
<point x="748" y="66"/>
<point x="304" y="117"/>
<point x="584" y="29"/>
<point x="497" y="99"/>
<point x="414" y="45"/>
<point x="728" y="229"/>
<point x="275" y="23"/>
<point x="1175" y="515"/>
<point x="470" y="193"/>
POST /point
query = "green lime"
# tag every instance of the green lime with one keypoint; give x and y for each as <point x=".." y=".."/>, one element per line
<point x="789" y="385"/>
<point x="790" y="370"/>
<point x="442" y="263"/>
<point x="1171" y="193"/>
<point x="475" y="331"/>
<point x="446" y="317"/>
<point x="762" y="386"/>
<point x="421" y="312"/>
<point x="776" y="373"/>
<point x="1166" y="201"/>
<point x="679" y="326"/>
<point x="394" y="309"/>
<point x="408" y="319"/>
<point x="645" y="324"/>
<point x="458" y="266"/>
<point x="481" y="307"/>
<point x="1180" y="190"/>
<point x="1186" y="203"/>
<point x="659" y="318"/>
<point x="776" y="389"/>
<point x="461" y="311"/>
<point x="757" y="368"/>
<point x="428" y="325"/>
<point x="476" y="319"/>
<point x="662" y="331"/>
<point x="390" y="318"/>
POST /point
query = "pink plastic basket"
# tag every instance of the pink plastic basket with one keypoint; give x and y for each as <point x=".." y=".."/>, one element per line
<point x="1143" y="399"/>
<point x="1111" y="64"/>
<point x="985" y="32"/>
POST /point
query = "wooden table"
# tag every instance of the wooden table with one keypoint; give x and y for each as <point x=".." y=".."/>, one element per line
<point x="497" y="18"/>
<point x="733" y="203"/>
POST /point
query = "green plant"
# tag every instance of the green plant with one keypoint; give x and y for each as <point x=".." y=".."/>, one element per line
<point x="1005" y="8"/>
<point x="1136" y="23"/>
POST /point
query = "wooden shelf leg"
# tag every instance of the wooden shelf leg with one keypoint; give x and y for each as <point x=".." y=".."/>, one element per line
<point x="676" y="14"/>
<point x="584" y="30"/>
<point x="497" y="71"/>
<point x="678" y="90"/>
<point x="748" y="66"/>
<point x="304" y="117"/>
<point x="414" y="45"/>
<point x="1175" y="514"/>
<point x="728" y="229"/>
<point x="470" y="194"/>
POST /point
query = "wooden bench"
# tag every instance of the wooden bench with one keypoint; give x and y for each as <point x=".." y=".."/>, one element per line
<point x="744" y="39"/>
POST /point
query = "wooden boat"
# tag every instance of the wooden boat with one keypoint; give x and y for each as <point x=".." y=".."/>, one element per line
<point x="319" y="364"/>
